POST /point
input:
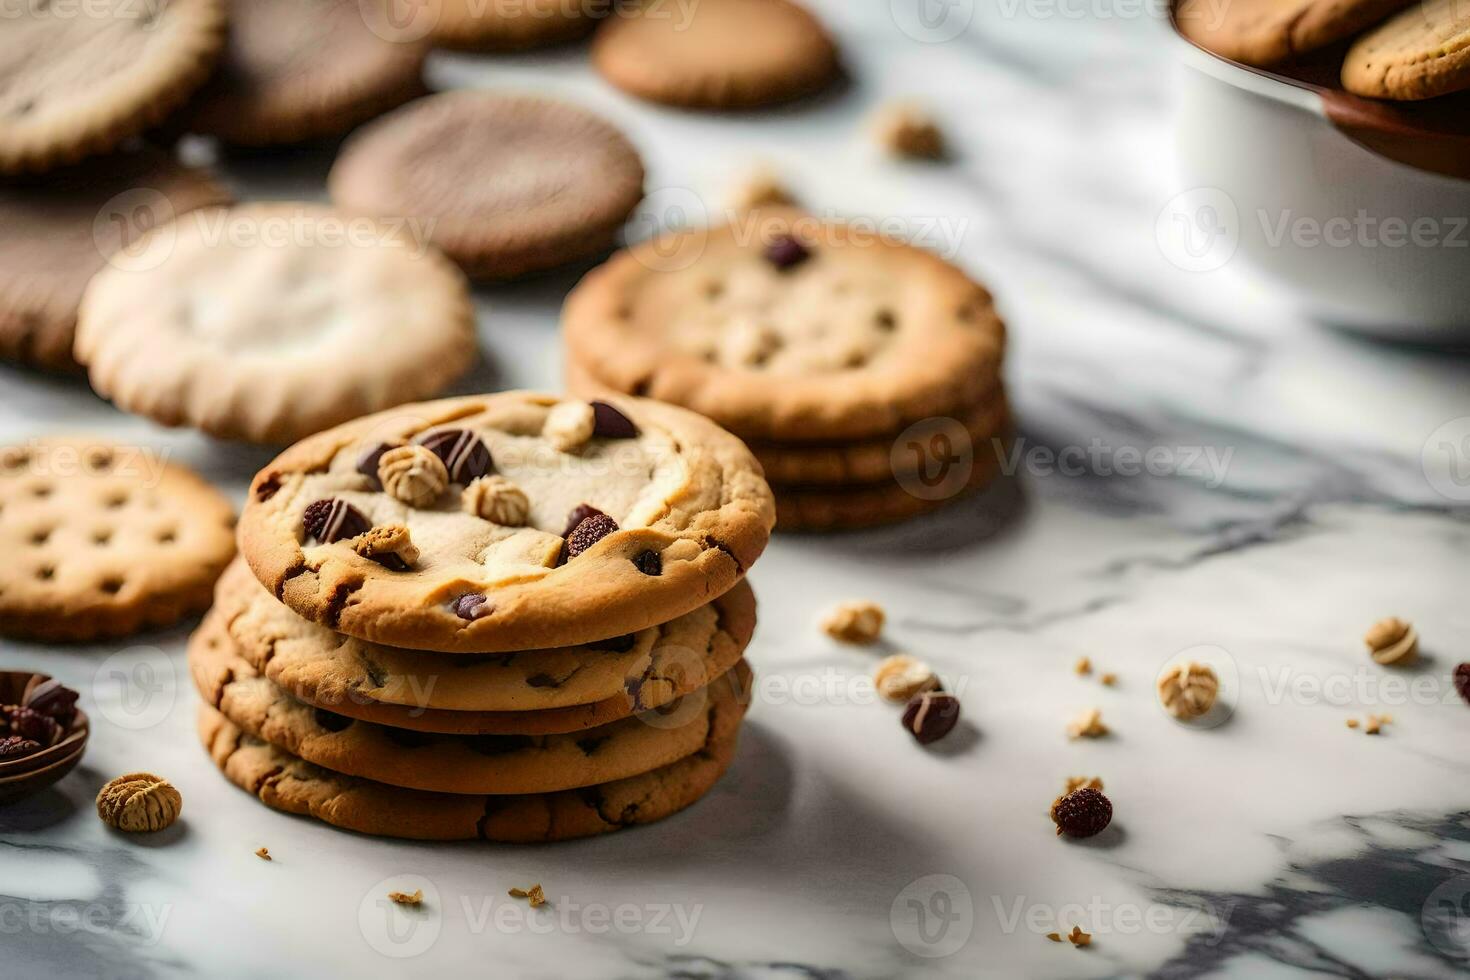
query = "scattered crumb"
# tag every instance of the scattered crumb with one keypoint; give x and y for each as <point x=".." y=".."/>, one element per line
<point x="402" y="898"/>
<point x="761" y="188"/>
<point x="1084" y="666"/>
<point x="858" y="621"/>
<point x="1087" y="725"/>
<point x="264" y="854"/>
<point x="1352" y="723"/>
<point x="1393" y="642"/>
<point x="900" y="678"/>
<point x="905" y="130"/>
<point x="1079" y="938"/>
<point x="1375" y="724"/>
<point x="1108" y="680"/>
<point x="1083" y="782"/>
<point x="1055" y="937"/>
<point x="535" y="894"/>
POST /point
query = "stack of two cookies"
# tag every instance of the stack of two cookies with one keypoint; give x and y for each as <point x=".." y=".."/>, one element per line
<point x="507" y="617"/>
<point x="864" y="373"/>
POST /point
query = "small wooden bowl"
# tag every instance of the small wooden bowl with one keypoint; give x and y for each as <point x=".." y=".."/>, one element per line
<point x="32" y="773"/>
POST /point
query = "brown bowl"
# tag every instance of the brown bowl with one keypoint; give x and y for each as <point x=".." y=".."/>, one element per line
<point x="28" y="774"/>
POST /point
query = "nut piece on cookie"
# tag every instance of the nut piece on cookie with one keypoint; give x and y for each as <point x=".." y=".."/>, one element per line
<point x="1188" y="690"/>
<point x="389" y="546"/>
<point x="497" y="500"/>
<point x="905" y="130"/>
<point x="858" y="621"/>
<point x="1392" y="641"/>
<point x="900" y="678"/>
<point x="758" y="189"/>
<point x="569" y="425"/>
<point x="139" y="802"/>
<point x="414" y="475"/>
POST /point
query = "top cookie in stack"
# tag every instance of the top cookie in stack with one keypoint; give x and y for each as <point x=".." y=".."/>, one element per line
<point x="818" y="343"/>
<point x="596" y="549"/>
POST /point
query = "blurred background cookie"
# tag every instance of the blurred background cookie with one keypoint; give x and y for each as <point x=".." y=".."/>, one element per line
<point x="268" y="322"/>
<point x="72" y="85"/>
<point x="513" y="25"/>
<point x="1267" y="32"/>
<point x="507" y="184"/>
<point x="1422" y="53"/>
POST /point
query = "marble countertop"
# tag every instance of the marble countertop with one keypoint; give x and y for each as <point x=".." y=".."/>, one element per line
<point x="1201" y="473"/>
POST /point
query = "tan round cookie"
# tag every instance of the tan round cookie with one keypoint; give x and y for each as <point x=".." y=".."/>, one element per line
<point x="78" y="81"/>
<point x="267" y="322"/>
<point x="509" y="184"/>
<point x="716" y="54"/>
<point x="296" y="70"/>
<point x="284" y="782"/>
<point x="514" y="25"/>
<point x="105" y="540"/>
<point x="1422" y="53"/>
<point x="539" y="692"/>
<point x="1267" y="32"/>
<point x="873" y="505"/>
<point x="448" y="763"/>
<point x="856" y="342"/>
<point x="684" y="494"/>
<point x="59" y="232"/>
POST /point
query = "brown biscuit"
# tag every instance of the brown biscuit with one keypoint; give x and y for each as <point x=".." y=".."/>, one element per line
<point x="105" y="540"/>
<point x="514" y="25"/>
<point x="716" y="54"/>
<point x="297" y="70"/>
<point x="78" y="79"/>
<point x="60" y="230"/>
<point x="1422" y="53"/>
<point x="1267" y="32"/>
<point x="508" y="184"/>
<point x="284" y="782"/>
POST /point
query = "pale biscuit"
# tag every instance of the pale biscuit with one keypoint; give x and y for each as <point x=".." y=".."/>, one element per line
<point x="1267" y="32"/>
<point x="1422" y="53"/>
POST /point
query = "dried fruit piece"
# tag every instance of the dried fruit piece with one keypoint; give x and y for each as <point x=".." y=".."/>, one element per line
<point x="787" y="252"/>
<point x="462" y="452"/>
<point x="30" y="723"/>
<point x="569" y="425"/>
<point x="1393" y="641"/>
<point x="609" y="423"/>
<point x="413" y="475"/>
<point x="1087" y="725"/>
<point x="588" y="533"/>
<point x="579" y="514"/>
<point x="53" y="699"/>
<point x="389" y="546"/>
<point x="858" y="622"/>
<point x="901" y="678"/>
<point x="1082" y="813"/>
<point x="334" y="520"/>
<point x="16" y="746"/>
<point x="497" y="500"/>
<point x="139" y="802"/>
<point x="473" y="606"/>
<point x="1461" y="679"/>
<point x="931" y="716"/>
<point x="649" y="563"/>
<point x="1188" y="690"/>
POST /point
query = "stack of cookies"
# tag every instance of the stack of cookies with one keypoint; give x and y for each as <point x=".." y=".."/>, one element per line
<point x="864" y="373"/>
<point x="507" y="617"/>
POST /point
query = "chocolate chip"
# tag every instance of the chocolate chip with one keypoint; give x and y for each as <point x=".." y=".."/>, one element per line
<point x="1082" y="813"/>
<point x="473" y="606"/>
<point x="31" y="724"/>
<point x="392" y="561"/>
<point x="463" y="454"/>
<point x="541" y="680"/>
<point x="579" y="514"/>
<point x="14" y="746"/>
<point x="334" y="520"/>
<point x="649" y="562"/>
<point x="367" y="462"/>
<point x="53" y="699"/>
<point x="787" y="252"/>
<point x="588" y="533"/>
<point x="331" y="721"/>
<point x="931" y="716"/>
<point x="618" y="644"/>
<point x="609" y="423"/>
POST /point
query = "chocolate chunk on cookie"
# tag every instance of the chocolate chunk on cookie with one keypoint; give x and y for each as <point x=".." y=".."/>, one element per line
<point x="717" y="54"/>
<point x="296" y="70"/>
<point x="682" y="488"/>
<point x="1267" y="32"/>
<point x="312" y="317"/>
<point x="62" y="229"/>
<point x="1422" y="53"/>
<point x="858" y="340"/>
<point x="510" y="184"/>
<point x="105" y="540"/>
<point x="77" y="82"/>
